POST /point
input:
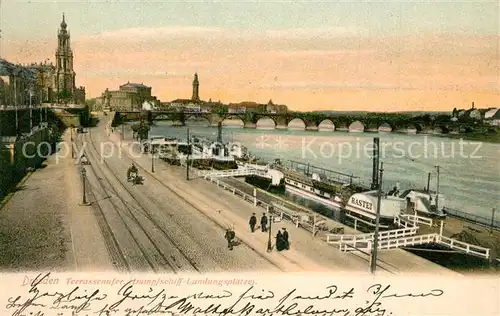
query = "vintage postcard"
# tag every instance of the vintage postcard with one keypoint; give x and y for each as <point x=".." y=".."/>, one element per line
<point x="249" y="158"/>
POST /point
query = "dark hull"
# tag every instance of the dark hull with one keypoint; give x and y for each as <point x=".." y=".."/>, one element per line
<point x="265" y="184"/>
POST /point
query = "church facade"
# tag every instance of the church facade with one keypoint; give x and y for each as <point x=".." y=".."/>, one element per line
<point x="57" y="83"/>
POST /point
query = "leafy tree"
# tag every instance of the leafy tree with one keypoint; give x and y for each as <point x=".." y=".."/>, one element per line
<point x="141" y="130"/>
<point x="64" y="96"/>
<point x="221" y="110"/>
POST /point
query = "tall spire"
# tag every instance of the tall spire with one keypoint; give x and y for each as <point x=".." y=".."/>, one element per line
<point x="196" y="85"/>
<point x="63" y="23"/>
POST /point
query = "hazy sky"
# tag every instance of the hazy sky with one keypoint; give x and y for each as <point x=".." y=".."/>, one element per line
<point x="336" y="55"/>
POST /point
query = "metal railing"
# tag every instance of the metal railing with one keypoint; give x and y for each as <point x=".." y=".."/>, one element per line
<point x="463" y="246"/>
<point x="408" y="220"/>
<point x="475" y="219"/>
<point x="387" y="244"/>
<point x="354" y="238"/>
<point x="232" y="173"/>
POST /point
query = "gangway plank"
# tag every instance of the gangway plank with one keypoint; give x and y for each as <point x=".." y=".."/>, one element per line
<point x="388" y="244"/>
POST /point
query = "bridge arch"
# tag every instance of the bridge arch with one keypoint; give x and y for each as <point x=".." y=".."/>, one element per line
<point x="440" y="129"/>
<point x="163" y="117"/>
<point x="190" y="118"/>
<point x="385" y="127"/>
<point x="465" y="129"/>
<point x="326" y="125"/>
<point x="238" y="121"/>
<point x="298" y="122"/>
<point x="413" y="128"/>
<point x="262" y="119"/>
<point x="356" y="126"/>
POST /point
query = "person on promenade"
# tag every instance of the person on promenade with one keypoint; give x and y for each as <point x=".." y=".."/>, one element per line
<point x="279" y="241"/>
<point x="263" y="223"/>
<point x="286" y="244"/>
<point x="229" y="236"/>
<point x="131" y="170"/>
<point x="252" y="222"/>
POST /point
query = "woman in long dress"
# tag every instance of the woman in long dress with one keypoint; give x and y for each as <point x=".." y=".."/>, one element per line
<point x="279" y="241"/>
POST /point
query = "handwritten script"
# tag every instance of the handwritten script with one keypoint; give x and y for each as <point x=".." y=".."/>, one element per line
<point x="134" y="300"/>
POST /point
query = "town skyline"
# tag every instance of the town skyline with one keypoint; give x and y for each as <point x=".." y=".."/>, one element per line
<point x="447" y="60"/>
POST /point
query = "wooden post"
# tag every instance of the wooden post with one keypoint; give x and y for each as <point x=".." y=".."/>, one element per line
<point x="492" y="220"/>
<point x="254" y="197"/>
<point x="314" y="226"/>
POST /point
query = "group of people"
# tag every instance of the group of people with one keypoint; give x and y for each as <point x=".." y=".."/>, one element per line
<point x="282" y="242"/>
<point x="263" y="223"/>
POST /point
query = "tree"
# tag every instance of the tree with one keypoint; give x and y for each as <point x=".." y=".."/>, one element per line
<point x="221" y="110"/>
<point x="141" y="130"/>
<point x="454" y="113"/>
<point x="64" y="96"/>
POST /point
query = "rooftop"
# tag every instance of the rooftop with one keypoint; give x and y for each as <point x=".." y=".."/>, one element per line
<point x="134" y="85"/>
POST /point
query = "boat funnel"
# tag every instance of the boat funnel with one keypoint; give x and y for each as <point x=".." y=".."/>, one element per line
<point x="219" y="132"/>
<point x="375" y="172"/>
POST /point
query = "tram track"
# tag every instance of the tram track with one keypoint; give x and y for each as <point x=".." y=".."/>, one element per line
<point x="153" y="257"/>
<point x="201" y="212"/>
<point x="176" y="259"/>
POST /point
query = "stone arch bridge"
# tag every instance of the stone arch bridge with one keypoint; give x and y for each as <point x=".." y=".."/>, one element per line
<point x="310" y="121"/>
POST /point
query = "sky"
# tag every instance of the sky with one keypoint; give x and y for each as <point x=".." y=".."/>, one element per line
<point x="325" y="55"/>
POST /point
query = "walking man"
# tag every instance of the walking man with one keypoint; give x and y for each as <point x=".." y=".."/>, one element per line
<point x="252" y="222"/>
<point x="263" y="223"/>
<point x="286" y="244"/>
<point x="229" y="237"/>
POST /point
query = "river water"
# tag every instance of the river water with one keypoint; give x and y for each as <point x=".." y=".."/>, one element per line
<point x="469" y="171"/>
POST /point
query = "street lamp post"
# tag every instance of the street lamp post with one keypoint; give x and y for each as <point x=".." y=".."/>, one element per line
<point x="40" y="107"/>
<point x="492" y="220"/>
<point x="31" y="110"/>
<point x="187" y="157"/>
<point x="269" y="244"/>
<point x="373" y="262"/>
<point x="72" y="151"/>
<point x="84" y="196"/>
<point x="152" y="160"/>
<point x="437" y="190"/>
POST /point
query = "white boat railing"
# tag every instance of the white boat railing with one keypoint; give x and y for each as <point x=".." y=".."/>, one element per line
<point x="413" y="220"/>
<point x="355" y="238"/>
<point x="232" y="173"/>
<point x="463" y="246"/>
<point x="387" y="244"/>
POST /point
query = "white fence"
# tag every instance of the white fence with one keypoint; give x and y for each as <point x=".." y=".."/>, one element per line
<point x="387" y="244"/>
<point x="407" y="220"/>
<point x="388" y="234"/>
<point x="390" y="239"/>
<point x="232" y="173"/>
<point x="463" y="246"/>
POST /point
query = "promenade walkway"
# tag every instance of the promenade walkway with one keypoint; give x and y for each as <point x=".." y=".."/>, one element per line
<point x="43" y="227"/>
<point x="312" y="254"/>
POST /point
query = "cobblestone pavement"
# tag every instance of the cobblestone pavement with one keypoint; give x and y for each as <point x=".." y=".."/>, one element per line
<point x="43" y="227"/>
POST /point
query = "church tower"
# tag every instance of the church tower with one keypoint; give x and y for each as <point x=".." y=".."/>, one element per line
<point x="65" y="75"/>
<point x="196" y="85"/>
